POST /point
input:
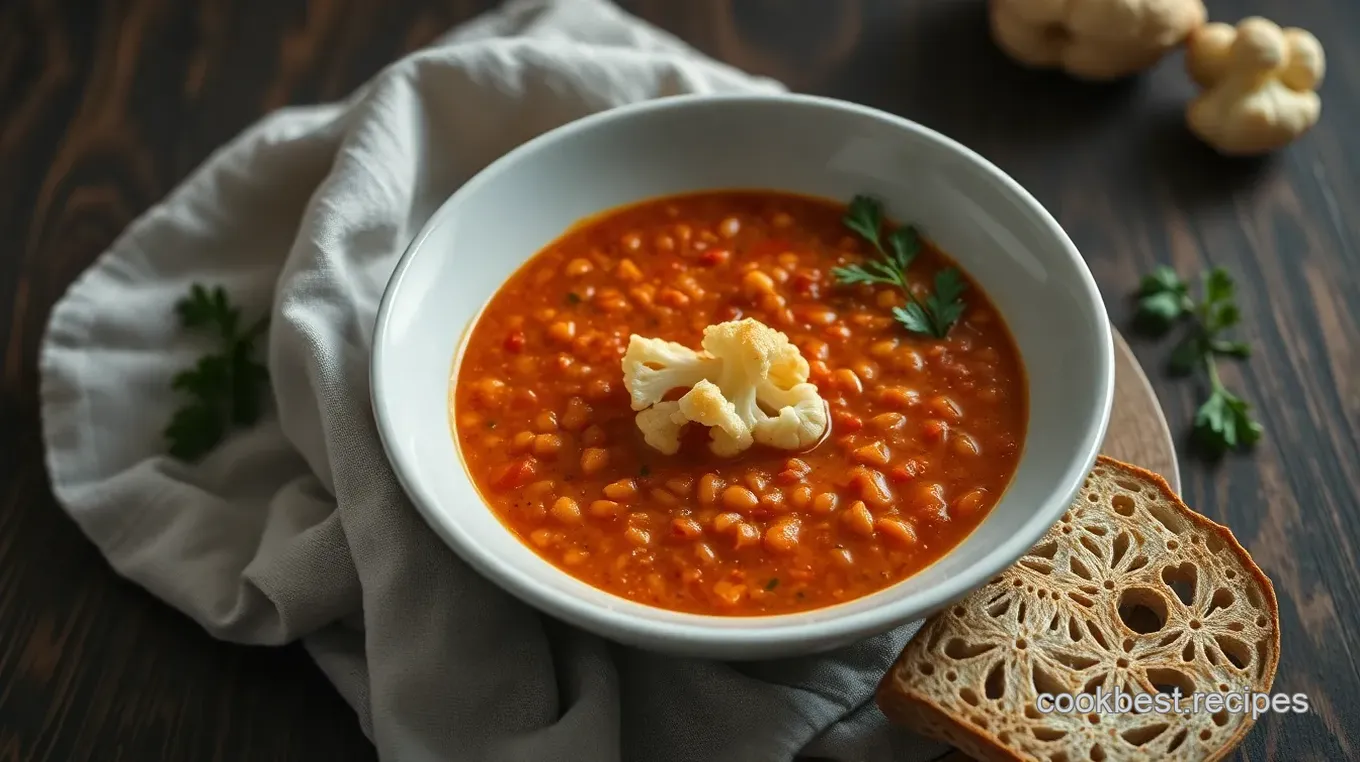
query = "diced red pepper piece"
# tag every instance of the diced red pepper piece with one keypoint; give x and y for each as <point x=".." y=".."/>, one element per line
<point x="846" y="422"/>
<point x="712" y="257"/>
<point x="516" y="474"/>
<point x="906" y="472"/>
<point x="514" y="341"/>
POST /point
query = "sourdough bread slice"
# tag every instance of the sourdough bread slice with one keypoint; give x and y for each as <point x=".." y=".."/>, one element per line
<point x="1131" y="589"/>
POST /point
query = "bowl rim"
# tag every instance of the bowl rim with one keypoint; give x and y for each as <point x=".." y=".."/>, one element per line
<point x="731" y="638"/>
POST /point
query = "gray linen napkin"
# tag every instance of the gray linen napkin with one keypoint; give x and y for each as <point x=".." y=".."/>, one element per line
<point x="297" y="528"/>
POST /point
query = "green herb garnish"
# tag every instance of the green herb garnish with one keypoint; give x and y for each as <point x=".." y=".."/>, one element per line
<point x="935" y="314"/>
<point x="772" y="584"/>
<point x="573" y="297"/>
<point x="225" y="387"/>
<point x="1224" y="421"/>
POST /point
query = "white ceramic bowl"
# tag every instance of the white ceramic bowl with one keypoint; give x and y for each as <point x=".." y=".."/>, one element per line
<point x="994" y="229"/>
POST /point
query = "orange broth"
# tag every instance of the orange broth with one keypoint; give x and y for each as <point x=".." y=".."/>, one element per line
<point x="925" y="433"/>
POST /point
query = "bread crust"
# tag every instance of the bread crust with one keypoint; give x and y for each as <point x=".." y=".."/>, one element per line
<point x="911" y="696"/>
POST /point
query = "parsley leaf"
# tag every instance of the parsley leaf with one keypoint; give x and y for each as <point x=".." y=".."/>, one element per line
<point x="1224" y="421"/>
<point x="945" y="305"/>
<point x="934" y="315"/>
<point x="1238" y="349"/>
<point x="1187" y="355"/>
<point x="1218" y="286"/>
<point x="203" y="308"/>
<point x="865" y="216"/>
<point x="869" y="272"/>
<point x="193" y="430"/>
<point x="913" y="317"/>
<point x="226" y="387"/>
<point x="905" y="244"/>
<point x="1158" y="312"/>
<point x="1163" y="299"/>
<point x="1162" y="279"/>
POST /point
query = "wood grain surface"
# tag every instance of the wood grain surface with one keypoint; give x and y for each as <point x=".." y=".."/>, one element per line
<point x="106" y="104"/>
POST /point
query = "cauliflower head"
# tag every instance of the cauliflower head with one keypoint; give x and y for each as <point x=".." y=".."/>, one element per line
<point x="1259" y="83"/>
<point x="748" y="384"/>
<point x="1093" y="39"/>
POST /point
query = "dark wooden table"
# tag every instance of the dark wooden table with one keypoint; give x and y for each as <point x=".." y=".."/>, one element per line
<point x="104" y="106"/>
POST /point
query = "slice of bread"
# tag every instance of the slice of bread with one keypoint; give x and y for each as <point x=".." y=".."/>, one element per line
<point x="1131" y="589"/>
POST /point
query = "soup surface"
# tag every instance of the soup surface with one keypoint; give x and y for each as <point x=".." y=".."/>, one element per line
<point x="925" y="433"/>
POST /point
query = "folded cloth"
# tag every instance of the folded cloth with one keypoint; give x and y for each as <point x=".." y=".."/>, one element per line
<point x="296" y="528"/>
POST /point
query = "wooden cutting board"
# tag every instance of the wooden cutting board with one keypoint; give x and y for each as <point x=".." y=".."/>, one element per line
<point x="1138" y="434"/>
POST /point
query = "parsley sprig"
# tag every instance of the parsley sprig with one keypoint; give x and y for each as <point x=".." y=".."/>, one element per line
<point x="224" y="387"/>
<point x="935" y="314"/>
<point x="1224" y="421"/>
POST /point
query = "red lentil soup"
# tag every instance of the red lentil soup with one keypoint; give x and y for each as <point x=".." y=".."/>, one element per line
<point x="925" y="433"/>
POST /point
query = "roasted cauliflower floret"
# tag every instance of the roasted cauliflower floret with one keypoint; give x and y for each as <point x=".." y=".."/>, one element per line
<point x="749" y="384"/>
<point x="801" y="421"/>
<point x="1259" y="83"/>
<point x="706" y="406"/>
<point x="1093" y="39"/>
<point x="652" y="367"/>
<point x="661" y="425"/>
